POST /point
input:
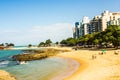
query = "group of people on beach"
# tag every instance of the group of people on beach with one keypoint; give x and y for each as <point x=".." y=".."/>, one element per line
<point x="100" y="53"/>
<point x="116" y="52"/>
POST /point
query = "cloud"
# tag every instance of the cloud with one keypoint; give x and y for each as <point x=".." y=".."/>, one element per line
<point x="36" y="34"/>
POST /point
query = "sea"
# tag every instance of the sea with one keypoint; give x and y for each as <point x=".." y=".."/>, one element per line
<point x="45" y="69"/>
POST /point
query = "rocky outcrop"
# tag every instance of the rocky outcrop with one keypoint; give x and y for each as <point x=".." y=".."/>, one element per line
<point x="6" y="76"/>
<point x="37" y="54"/>
<point x="2" y="47"/>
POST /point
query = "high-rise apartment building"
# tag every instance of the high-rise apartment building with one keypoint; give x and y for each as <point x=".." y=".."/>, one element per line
<point x="107" y="17"/>
<point x="95" y="24"/>
<point x="114" y="22"/>
<point x="76" y="30"/>
<point x="98" y="23"/>
<point x="85" y="25"/>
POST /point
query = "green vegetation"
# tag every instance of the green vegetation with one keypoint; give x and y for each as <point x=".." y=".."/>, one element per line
<point x="68" y="42"/>
<point x="42" y="44"/>
<point x="57" y="43"/>
<point x="46" y="43"/>
<point x="7" y="44"/>
<point x="2" y="44"/>
<point x="30" y="45"/>
<point x="108" y="38"/>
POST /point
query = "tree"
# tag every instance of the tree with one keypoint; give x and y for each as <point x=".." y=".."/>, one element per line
<point x="71" y="42"/>
<point x="57" y="43"/>
<point x="9" y="44"/>
<point x="115" y="37"/>
<point x="48" y="42"/>
<point x="90" y="39"/>
<point x="96" y="41"/>
<point x="110" y="36"/>
<point x="2" y="44"/>
<point x="80" y="40"/>
<point x="63" y="42"/>
<point x="30" y="45"/>
<point x="42" y="44"/>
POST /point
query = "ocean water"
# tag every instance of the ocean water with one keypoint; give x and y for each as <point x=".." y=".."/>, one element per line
<point x="6" y="57"/>
<point x="5" y="54"/>
<point x="44" y="69"/>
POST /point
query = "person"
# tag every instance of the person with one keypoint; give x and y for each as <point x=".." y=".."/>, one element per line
<point x="94" y="56"/>
<point x="103" y="51"/>
<point x="116" y="52"/>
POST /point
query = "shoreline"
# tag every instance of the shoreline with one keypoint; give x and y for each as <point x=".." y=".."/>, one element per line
<point x="6" y="76"/>
<point x="72" y="68"/>
<point x="103" y="67"/>
<point x="83" y="65"/>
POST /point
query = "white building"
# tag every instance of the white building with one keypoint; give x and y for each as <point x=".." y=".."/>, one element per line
<point x="114" y="22"/>
<point x="107" y="17"/>
<point x="98" y="23"/>
<point x="85" y="25"/>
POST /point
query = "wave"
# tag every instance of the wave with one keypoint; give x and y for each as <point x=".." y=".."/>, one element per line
<point x="4" y="63"/>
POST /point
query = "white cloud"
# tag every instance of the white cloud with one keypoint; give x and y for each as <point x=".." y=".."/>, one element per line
<point x="36" y="34"/>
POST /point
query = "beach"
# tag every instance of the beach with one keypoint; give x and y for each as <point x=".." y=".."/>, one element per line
<point x="102" y="67"/>
<point x="91" y="65"/>
<point x="6" y="76"/>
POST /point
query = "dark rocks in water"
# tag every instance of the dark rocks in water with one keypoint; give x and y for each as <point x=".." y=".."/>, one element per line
<point x="38" y="54"/>
<point x="33" y="51"/>
<point x="2" y="47"/>
<point x="28" y="57"/>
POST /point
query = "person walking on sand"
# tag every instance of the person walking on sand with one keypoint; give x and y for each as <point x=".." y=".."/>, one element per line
<point x="94" y="56"/>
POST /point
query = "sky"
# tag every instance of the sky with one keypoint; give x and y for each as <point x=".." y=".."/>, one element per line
<point x="24" y="22"/>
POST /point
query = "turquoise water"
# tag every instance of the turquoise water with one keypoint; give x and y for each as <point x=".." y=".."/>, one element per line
<point x="44" y="69"/>
<point x="38" y="70"/>
<point x="6" y="57"/>
<point x="5" y="54"/>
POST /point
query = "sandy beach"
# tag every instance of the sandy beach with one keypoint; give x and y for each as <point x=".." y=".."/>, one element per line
<point x="103" y="67"/>
<point x="6" y="76"/>
<point x="93" y="66"/>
